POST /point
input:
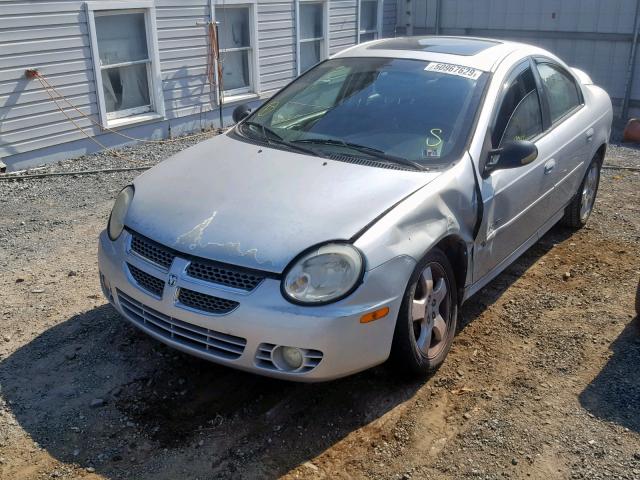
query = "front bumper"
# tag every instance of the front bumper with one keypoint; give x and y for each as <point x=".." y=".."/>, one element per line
<point x="334" y="342"/>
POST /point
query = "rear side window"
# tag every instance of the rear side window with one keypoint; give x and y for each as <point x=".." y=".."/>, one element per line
<point x="561" y="90"/>
<point x="520" y="115"/>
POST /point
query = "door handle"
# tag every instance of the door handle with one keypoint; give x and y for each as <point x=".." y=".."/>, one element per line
<point x="549" y="166"/>
<point x="589" y="134"/>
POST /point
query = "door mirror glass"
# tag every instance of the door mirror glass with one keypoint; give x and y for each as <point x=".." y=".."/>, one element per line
<point x="241" y="112"/>
<point x="513" y="154"/>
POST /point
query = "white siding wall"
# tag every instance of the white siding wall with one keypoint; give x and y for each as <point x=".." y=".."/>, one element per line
<point x="183" y="46"/>
<point x="276" y="33"/>
<point x="53" y="36"/>
<point x="343" y="24"/>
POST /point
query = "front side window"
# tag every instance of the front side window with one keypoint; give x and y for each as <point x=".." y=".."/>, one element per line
<point x="560" y="89"/>
<point x="311" y="47"/>
<point x="235" y="48"/>
<point x="124" y="62"/>
<point x="520" y="115"/>
<point x="373" y="107"/>
<point x="369" y="28"/>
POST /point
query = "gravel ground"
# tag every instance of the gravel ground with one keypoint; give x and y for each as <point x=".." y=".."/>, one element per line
<point x="543" y="380"/>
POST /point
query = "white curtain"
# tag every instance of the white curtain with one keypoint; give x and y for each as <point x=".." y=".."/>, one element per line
<point x="125" y="87"/>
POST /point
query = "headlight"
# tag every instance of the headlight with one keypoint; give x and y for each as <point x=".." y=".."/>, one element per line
<point x="120" y="207"/>
<point x="325" y="274"/>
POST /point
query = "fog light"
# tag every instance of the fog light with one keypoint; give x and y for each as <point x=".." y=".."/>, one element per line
<point x="288" y="358"/>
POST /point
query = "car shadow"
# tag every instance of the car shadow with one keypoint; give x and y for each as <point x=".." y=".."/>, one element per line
<point x="614" y="395"/>
<point x="494" y="290"/>
<point x="96" y="392"/>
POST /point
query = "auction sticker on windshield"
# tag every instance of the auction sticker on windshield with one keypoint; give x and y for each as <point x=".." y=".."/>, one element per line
<point x="458" y="70"/>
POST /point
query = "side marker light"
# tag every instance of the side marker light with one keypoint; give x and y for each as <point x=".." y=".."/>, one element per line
<point x="375" y="315"/>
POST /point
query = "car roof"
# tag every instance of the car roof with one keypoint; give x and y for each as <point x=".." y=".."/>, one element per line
<point x="480" y="53"/>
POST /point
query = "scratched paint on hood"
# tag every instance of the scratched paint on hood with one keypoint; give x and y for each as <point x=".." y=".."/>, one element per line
<point x="192" y="240"/>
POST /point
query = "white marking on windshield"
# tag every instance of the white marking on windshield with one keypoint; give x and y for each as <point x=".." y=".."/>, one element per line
<point x="458" y="70"/>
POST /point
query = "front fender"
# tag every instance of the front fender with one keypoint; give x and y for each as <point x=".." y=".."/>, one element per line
<point x="445" y="207"/>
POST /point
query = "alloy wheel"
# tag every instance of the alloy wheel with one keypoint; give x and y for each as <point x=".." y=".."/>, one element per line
<point x="589" y="191"/>
<point x="431" y="311"/>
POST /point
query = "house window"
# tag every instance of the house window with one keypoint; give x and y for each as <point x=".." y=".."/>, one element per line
<point x="370" y="20"/>
<point x="312" y="34"/>
<point x="126" y="62"/>
<point x="236" y="48"/>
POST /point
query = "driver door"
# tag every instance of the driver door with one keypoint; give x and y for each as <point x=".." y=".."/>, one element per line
<point x="515" y="200"/>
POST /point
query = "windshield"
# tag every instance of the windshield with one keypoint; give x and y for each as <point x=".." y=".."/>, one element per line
<point x="394" y="109"/>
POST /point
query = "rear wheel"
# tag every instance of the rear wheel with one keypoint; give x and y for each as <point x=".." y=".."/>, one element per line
<point x="428" y="317"/>
<point x="579" y="210"/>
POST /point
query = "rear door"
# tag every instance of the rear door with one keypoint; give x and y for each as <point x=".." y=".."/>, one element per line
<point x="570" y="129"/>
<point x="515" y="200"/>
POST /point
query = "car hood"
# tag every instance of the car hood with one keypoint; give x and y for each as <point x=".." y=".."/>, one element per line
<point x="258" y="207"/>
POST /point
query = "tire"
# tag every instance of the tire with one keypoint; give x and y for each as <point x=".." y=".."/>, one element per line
<point x="420" y="345"/>
<point x="579" y="210"/>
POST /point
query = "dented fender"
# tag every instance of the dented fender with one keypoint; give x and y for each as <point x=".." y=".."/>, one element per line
<point x="447" y="206"/>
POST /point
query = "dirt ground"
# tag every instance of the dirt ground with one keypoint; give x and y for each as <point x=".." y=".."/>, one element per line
<point x="543" y="380"/>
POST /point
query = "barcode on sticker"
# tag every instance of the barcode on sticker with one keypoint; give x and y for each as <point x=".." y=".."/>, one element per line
<point x="459" y="70"/>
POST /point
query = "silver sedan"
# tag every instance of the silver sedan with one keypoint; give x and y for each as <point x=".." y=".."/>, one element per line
<point x="346" y="220"/>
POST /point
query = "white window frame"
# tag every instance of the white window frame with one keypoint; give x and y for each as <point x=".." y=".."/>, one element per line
<point x="154" y="77"/>
<point x="324" y="40"/>
<point x="254" y="73"/>
<point x="379" y="19"/>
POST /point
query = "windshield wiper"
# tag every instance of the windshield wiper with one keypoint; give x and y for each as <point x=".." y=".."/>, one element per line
<point x="266" y="131"/>
<point x="277" y="139"/>
<point x="371" y="151"/>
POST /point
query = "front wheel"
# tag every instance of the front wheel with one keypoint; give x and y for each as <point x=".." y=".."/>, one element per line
<point x="428" y="317"/>
<point x="579" y="210"/>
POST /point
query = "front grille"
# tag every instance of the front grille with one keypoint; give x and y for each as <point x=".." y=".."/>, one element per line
<point x="264" y="358"/>
<point x="200" y="268"/>
<point x="206" y="303"/>
<point x="214" y="344"/>
<point x="224" y="275"/>
<point x="152" y="251"/>
<point x="148" y="282"/>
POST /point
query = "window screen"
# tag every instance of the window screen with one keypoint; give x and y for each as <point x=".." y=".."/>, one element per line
<point x="311" y="20"/>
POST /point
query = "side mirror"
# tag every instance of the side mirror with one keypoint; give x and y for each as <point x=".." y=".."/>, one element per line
<point x="241" y="112"/>
<point x="513" y="154"/>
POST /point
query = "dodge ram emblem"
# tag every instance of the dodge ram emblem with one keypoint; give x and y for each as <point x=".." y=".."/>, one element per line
<point x="171" y="281"/>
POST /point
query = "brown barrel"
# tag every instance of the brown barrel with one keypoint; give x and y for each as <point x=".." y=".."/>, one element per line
<point x="632" y="131"/>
